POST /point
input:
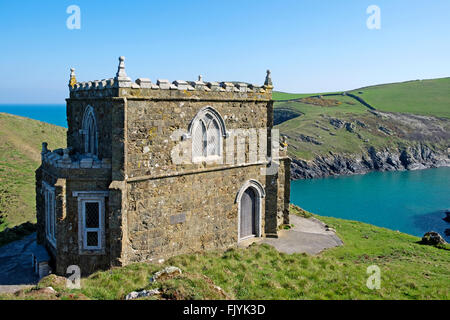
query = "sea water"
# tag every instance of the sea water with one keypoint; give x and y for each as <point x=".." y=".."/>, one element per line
<point x="413" y="202"/>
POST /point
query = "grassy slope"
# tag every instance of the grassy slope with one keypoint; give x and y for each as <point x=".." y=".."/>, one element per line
<point x="425" y="97"/>
<point x="408" y="271"/>
<point x="20" y="145"/>
<point x="312" y="117"/>
<point x="408" y="97"/>
<point x="280" y="96"/>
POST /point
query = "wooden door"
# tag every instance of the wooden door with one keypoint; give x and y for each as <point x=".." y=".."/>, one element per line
<point x="248" y="213"/>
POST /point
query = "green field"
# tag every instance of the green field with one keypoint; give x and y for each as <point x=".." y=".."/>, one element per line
<point x="277" y="95"/>
<point x="426" y="97"/>
<point x="20" y="155"/>
<point x="409" y="270"/>
<point x="409" y="98"/>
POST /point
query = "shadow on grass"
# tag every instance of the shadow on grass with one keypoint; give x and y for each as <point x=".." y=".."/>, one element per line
<point x="16" y="233"/>
<point x="16" y="246"/>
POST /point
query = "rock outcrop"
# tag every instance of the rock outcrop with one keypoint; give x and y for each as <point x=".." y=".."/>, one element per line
<point x="433" y="239"/>
<point x="447" y="216"/>
<point x="419" y="156"/>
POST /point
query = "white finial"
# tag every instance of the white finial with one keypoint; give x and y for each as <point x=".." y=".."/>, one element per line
<point x="121" y="70"/>
<point x="200" y="78"/>
<point x="122" y="80"/>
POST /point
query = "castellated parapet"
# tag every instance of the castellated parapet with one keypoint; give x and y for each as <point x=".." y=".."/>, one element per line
<point x="122" y="86"/>
<point x="152" y="170"/>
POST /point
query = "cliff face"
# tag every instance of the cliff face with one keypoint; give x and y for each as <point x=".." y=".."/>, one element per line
<point x="418" y="156"/>
<point x="338" y="140"/>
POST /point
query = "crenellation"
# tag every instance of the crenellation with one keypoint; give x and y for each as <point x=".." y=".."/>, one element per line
<point x="109" y="83"/>
<point x="180" y="84"/>
<point x="139" y="88"/>
<point x="243" y="87"/>
<point x="214" y="86"/>
<point x="199" y="84"/>
<point x="144" y="83"/>
<point x="74" y="161"/>
<point x="163" y="84"/>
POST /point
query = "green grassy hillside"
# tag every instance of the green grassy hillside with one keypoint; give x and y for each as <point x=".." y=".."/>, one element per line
<point x="279" y="96"/>
<point x="313" y="134"/>
<point x="20" y="146"/>
<point x="409" y="270"/>
<point x="426" y="97"/>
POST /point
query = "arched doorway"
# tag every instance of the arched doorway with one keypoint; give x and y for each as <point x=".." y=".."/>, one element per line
<point x="249" y="200"/>
<point x="248" y="213"/>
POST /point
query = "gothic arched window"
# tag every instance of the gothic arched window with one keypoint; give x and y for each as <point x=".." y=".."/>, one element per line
<point x="207" y="130"/>
<point x="90" y="134"/>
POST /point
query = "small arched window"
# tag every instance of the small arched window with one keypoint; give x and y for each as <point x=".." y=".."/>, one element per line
<point x="90" y="134"/>
<point x="207" y="130"/>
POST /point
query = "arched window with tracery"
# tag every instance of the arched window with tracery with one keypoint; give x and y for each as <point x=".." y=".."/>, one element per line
<point x="90" y="133"/>
<point x="207" y="129"/>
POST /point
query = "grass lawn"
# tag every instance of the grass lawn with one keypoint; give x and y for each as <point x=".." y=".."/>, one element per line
<point x="20" y="155"/>
<point x="408" y="271"/>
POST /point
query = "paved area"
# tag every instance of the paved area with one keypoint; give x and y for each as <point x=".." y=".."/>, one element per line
<point x="15" y="264"/>
<point x="307" y="236"/>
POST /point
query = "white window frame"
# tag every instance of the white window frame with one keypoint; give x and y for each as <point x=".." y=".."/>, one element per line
<point x="202" y="118"/>
<point x="98" y="230"/>
<point x="83" y="198"/>
<point x="50" y="212"/>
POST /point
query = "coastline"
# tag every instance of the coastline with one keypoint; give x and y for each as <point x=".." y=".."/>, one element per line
<point x="417" y="157"/>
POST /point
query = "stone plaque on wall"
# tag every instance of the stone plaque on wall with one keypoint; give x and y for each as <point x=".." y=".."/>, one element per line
<point x="179" y="218"/>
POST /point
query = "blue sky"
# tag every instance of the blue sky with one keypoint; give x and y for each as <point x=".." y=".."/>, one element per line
<point x="309" y="45"/>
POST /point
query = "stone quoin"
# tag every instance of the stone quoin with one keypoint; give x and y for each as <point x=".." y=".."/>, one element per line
<point x="116" y="195"/>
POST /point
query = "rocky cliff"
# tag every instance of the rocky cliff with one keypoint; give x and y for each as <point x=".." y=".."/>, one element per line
<point x="419" y="156"/>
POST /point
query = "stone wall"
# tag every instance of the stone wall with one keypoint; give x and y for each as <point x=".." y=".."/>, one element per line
<point x="278" y="198"/>
<point x="66" y="181"/>
<point x="186" y="213"/>
<point x="173" y="208"/>
<point x="150" y="125"/>
<point x="75" y="112"/>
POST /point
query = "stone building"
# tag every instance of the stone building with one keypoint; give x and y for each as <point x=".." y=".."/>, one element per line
<point x="153" y="170"/>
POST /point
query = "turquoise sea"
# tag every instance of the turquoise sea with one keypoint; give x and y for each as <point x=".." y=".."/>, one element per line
<point x="53" y="113"/>
<point x="413" y="202"/>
